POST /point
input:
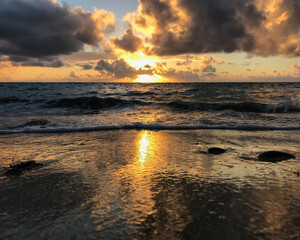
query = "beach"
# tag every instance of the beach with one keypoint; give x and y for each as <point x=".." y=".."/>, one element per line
<point x="149" y="120"/>
<point x="141" y="184"/>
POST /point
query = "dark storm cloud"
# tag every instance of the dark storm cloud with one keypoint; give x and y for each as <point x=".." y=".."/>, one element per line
<point x="210" y="25"/>
<point x="43" y="28"/>
<point x="34" y="62"/>
<point x="129" y="42"/>
<point x="282" y="35"/>
<point x="204" y="26"/>
<point x="54" y="64"/>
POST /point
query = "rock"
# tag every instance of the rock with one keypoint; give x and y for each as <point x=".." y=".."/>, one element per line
<point x="296" y="221"/>
<point x="216" y="151"/>
<point x="18" y="169"/>
<point x="274" y="156"/>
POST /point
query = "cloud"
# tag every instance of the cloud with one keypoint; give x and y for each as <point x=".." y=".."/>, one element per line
<point x="88" y="56"/>
<point x="129" y="42"/>
<point x="257" y="27"/>
<point x="206" y="64"/>
<point x="121" y="69"/>
<point x="73" y="75"/>
<point x="180" y="75"/>
<point x="173" y="74"/>
<point x="43" y="28"/>
<point x="223" y="62"/>
<point x="199" y="26"/>
<point x="52" y="62"/>
<point x="199" y="74"/>
<point x="86" y="66"/>
<point x="204" y="61"/>
<point x="295" y="69"/>
<point x="251" y="69"/>
<point x="208" y="68"/>
<point x="186" y="62"/>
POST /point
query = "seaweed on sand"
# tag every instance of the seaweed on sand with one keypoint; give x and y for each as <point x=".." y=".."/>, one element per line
<point x="16" y="169"/>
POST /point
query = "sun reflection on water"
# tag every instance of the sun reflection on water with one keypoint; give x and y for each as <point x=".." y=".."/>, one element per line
<point x="136" y="178"/>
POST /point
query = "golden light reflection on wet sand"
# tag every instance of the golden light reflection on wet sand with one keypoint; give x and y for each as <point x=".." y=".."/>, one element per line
<point x="145" y="144"/>
<point x="139" y="183"/>
<point x="136" y="178"/>
<point x="153" y="184"/>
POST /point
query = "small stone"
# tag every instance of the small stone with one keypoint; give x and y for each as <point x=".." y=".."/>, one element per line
<point x="296" y="221"/>
<point x="274" y="156"/>
<point x="216" y="151"/>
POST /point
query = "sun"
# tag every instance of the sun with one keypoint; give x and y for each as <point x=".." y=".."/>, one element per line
<point x="148" y="79"/>
<point x="140" y="61"/>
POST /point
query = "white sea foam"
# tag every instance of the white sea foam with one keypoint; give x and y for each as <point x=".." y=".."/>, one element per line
<point x="153" y="127"/>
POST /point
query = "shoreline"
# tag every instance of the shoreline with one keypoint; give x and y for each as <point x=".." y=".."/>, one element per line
<point x="149" y="127"/>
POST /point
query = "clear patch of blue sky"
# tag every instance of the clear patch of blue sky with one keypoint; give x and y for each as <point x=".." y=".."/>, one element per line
<point x="118" y="7"/>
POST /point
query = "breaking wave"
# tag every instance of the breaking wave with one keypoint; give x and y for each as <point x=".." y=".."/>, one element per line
<point x="138" y="93"/>
<point x="153" y="127"/>
<point x="93" y="103"/>
<point x="11" y="100"/>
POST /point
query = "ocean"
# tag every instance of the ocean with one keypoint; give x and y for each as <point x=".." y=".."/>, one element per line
<point x="130" y="161"/>
<point x="63" y="107"/>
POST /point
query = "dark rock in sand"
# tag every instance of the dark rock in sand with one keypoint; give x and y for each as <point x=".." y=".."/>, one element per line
<point x="216" y="151"/>
<point x="18" y="169"/>
<point x="274" y="156"/>
<point x="296" y="221"/>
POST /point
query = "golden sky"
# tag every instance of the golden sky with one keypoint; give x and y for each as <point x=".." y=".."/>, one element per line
<point x="149" y="40"/>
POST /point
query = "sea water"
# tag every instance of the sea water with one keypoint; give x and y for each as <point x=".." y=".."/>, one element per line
<point x="59" y="107"/>
<point x="129" y="161"/>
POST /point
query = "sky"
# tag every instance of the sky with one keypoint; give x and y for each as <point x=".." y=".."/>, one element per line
<point x="149" y="40"/>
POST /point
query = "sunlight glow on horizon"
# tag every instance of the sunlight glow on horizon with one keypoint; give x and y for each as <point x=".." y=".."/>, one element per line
<point x="148" y="79"/>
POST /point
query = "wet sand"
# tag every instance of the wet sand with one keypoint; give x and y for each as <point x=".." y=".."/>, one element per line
<point x="130" y="184"/>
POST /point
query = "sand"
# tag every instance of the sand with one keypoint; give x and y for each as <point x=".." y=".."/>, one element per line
<point x="129" y="184"/>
